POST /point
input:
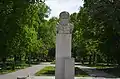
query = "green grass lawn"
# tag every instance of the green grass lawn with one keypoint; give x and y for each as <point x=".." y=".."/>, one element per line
<point x="50" y="71"/>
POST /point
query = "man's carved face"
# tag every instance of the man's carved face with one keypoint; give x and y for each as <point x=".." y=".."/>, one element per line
<point x="64" y="18"/>
<point x="64" y="22"/>
<point x="64" y="15"/>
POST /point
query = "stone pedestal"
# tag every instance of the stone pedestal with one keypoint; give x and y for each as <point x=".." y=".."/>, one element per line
<point x="63" y="45"/>
<point x="64" y="62"/>
<point x="64" y="68"/>
<point x="69" y="68"/>
<point x="59" y="71"/>
<point x="63" y="50"/>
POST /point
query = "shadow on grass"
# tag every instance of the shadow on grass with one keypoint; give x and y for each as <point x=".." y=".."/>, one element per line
<point x="80" y="73"/>
<point x="99" y="72"/>
<point x="113" y="71"/>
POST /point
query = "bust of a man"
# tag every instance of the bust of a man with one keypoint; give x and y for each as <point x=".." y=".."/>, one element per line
<point x="64" y="27"/>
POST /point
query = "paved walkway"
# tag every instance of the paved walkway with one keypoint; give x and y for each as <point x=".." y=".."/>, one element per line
<point x="24" y="72"/>
<point x="95" y="74"/>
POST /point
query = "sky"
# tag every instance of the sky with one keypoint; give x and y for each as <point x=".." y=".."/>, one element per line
<point x="58" y="6"/>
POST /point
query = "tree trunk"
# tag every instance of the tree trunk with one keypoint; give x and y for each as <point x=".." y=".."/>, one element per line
<point x="20" y="58"/>
<point x="14" y="62"/>
<point x="82" y="60"/>
<point x="29" y="59"/>
<point x="108" y="61"/>
<point x="94" y="58"/>
<point x="90" y="59"/>
<point x="3" y="63"/>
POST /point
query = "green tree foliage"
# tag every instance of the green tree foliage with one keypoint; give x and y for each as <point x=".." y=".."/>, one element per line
<point x="47" y="35"/>
<point x="97" y="30"/>
<point x="20" y="23"/>
<point x="84" y="42"/>
<point x="106" y="13"/>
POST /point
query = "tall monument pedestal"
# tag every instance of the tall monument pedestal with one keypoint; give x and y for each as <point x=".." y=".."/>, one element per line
<point x="64" y="62"/>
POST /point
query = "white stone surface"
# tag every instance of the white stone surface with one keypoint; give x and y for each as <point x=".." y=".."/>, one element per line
<point x="63" y="50"/>
<point x="69" y="68"/>
<point x="63" y="47"/>
<point x="60" y="68"/>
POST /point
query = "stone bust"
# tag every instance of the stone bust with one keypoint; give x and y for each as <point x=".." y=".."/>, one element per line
<point x="64" y="27"/>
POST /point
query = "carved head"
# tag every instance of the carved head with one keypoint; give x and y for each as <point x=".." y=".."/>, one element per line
<point x="64" y="18"/>
<point x="64" y="15"/>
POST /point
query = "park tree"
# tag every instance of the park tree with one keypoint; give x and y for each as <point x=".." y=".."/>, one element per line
<point x="19" y="25"/>
<point x="47" y="33"/>
<point x="10" y="12"/>
<point x="106" y="14"/>
<point x="52" y="28"/>
<point x="78" y="47"/>
<point x="98" y="24"/>
<point x="85" y="36"/>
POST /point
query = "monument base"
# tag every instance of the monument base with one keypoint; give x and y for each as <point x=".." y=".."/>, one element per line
<point x="64" y="68"/>
<point x="69" y="68"/>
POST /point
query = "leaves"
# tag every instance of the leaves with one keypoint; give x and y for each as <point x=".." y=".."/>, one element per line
<point x="19" y="24"/>
<point x="97" y="28"/>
